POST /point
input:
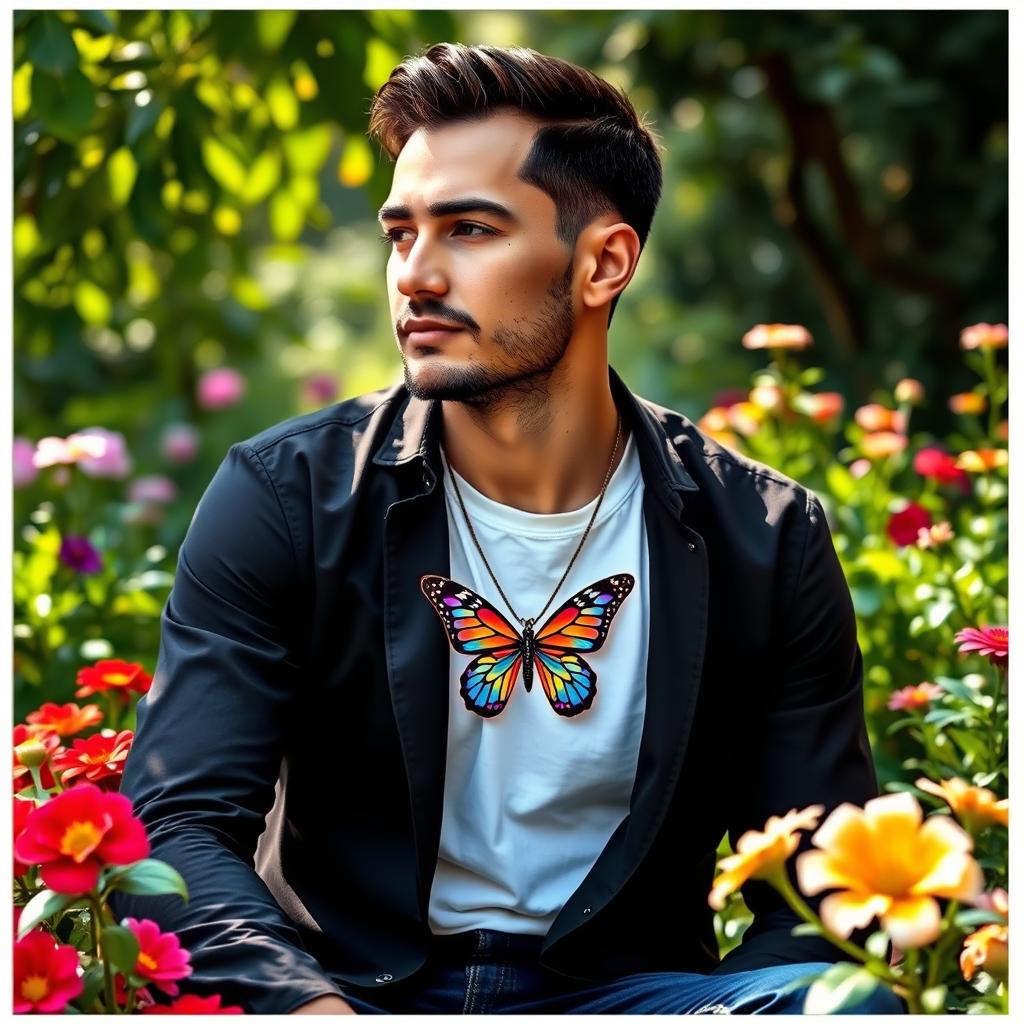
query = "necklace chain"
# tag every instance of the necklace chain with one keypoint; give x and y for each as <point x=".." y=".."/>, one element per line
<point x="579" y="547"/>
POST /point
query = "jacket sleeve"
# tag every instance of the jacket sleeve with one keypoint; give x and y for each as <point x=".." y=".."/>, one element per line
<point x="807" y="743"/>
<point x="209" y="740"/>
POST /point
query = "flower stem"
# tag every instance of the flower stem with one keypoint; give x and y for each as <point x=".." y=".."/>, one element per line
<point x="997" y="731"/>
<point x="96" y="912"/>
<point x="937" y="954"/>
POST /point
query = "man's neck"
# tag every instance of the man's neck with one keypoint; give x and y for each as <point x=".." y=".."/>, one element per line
<point x="545" y="450"/>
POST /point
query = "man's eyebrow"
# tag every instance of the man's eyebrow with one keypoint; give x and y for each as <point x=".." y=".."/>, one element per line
<point x="449" y="207"/>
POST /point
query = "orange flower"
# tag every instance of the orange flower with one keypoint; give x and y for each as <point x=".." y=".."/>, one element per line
<point x="745" y="417"/>
<point x="777" y="336"/>
<point x="762" y="854"/>
<point x="887" y="864"/>
<point x="99" y="759"/>
<point x="983" y="460"/>
<point x="113" y="674"/>
<point x="874" y="417"/>
<point x="821" y="406"/>
<point x="984" y="336"/>
<point x="974" y="807"/>
<point x="882" y="444"/>
<point x="987" y="950"/>
<point x="913" y="698"/>
<point x="715" y="423"/>
<point x="909" y="391"/>
<point x="64" y="719"/>
<point x="967" y="403"/>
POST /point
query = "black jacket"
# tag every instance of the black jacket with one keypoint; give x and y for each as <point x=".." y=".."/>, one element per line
<point x="298" y="652"/>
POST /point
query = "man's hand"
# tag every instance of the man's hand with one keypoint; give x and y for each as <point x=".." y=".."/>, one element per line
<point x="325" y="1004"/>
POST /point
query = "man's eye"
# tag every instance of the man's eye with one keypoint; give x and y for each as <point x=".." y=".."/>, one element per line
<point x="477" y="227"/>
<point x="389" y="236"/>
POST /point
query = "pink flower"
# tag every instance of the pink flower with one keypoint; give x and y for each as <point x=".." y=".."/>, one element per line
<point x="913" y="698"/>
<point x="993" y="641"/>
<point x="158" y="489"/>
<point x="220" y="388"/>
<point x="113" y="462"/>
<point x="984" y="336"/>
<point x="78" y="554"/>
<point x="179" y="443"/>
<point x="935" y="464"/>
<point x="903" y="526"/>
<point x="792" y="336"/>
<point x="935" y="535"/>
<point x="45" y="974"/>
<point x="66" y="451"/>
<point x="25" y="469"/>
<point x="194" y="1004"/>
<point x="321" y="388"/>
<point x="161" y="959"/>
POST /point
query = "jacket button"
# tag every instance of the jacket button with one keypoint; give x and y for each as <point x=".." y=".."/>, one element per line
<point x="383" y="979"/>
<point x="691" y="546"/>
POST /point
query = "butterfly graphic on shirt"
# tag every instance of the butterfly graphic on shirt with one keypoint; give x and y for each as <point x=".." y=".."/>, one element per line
<point x="476" y="627"/>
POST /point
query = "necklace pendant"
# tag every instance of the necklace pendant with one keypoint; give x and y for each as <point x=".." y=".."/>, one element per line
<point x="528" y="654"/>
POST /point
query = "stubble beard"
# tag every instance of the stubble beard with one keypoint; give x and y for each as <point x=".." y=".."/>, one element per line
<point x="529" y="356"/>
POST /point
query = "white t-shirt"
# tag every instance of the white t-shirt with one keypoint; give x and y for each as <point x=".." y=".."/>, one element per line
<point x="532" y="795"/>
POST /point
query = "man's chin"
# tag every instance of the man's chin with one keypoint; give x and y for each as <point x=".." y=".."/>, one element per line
<point x="433" y="379"/>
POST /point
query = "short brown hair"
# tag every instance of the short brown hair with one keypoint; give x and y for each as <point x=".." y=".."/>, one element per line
<point x="592" y="152"/>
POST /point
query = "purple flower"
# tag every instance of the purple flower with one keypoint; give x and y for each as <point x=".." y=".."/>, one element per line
<point x="220" y="388"/>
<point x="115" y="462"/>
<point x="157" y="489"/>
<point x="179" y="443"/>
<point x="78" y="554"/>
<point x="24" y="468"/>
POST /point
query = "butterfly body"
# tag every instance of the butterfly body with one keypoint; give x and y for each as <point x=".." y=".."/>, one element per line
<point x="552" y="652"/>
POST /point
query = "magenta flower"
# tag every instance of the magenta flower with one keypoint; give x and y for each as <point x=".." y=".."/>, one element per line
<point x="161" y="959"/>
<point x="903" y="526"/>
<point x="320" y="388"/>
<point x="24" y="468"/>
<point x="113" y="462"/>
<point x="992" y="641"/>
<point x="179" y="443"/>
<point x="913" y="698"/>
<point x="78" y="554"/>
<point x="159" y="490"/>
<point x="220" y="388"/>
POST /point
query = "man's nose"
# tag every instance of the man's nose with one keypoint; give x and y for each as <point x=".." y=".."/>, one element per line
<point x="422" y="270"/>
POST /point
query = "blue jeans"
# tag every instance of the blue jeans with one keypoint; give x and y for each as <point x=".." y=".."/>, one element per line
<point x="487" y="971"/>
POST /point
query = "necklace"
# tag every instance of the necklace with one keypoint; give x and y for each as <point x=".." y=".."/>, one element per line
<point x="527" y="624"/>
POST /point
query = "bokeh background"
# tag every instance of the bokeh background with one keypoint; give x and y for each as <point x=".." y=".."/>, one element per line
<point x="196" y="258"/>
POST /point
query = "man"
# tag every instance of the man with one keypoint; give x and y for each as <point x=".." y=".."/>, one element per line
<point x="517" y="646"/>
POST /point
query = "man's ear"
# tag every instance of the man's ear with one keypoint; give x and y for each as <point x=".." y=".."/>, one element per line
<point x="610" y="255"/>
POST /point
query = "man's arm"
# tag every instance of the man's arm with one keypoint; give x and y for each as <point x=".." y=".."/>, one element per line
<point x="808" y="743"/>
<point x="209" y="742"/>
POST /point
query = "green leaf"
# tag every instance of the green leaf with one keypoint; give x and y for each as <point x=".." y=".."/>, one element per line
<point x="92" y="302"/>
<point x="356" y="163"/>
<point x="282" y="103"/>
<point x="66" y="105"/>
<point x="956" y="687"/>
<point x="224" y="166"/>
<point x="306" y="150"/>
<point x="42" y="906"/>
<point x="21" y="95"/>
<point x="976" y="917"/>
<point x="120" y="947"/>
<point x="50" y="46"/>
<point x="263" y="177"/>
<point x="92" y="979"/>
<point x="840" y="482"/>
<point x="380" y="61"/>
<point x="141" y="120"/>
<point x="842" y="985"/>
<point x="122" y="170"/>
<point x="148" y="878"/>
<point x="272" y="28"/>
<point x="99" y="21"/>
<point x="286" y="217"/>
<point x="938" y="612"/>
<point x="806" y="928"/>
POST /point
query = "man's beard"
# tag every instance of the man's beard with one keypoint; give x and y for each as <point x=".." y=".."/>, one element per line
<point x="530" y="354"/>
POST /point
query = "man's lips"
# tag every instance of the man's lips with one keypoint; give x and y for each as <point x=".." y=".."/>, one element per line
<point x="431" y="335"/>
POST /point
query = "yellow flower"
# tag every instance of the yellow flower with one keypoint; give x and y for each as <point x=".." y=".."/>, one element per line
<point x="887" y="864"/>
<point x="974" y="807"/>
<point x="982" y="460"/>
<point x="777" y="336"/>
<point x="987" y="949"/>
<point x="761" y="854"/>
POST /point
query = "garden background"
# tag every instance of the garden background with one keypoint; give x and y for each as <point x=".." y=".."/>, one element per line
<point x="196" y="258"/>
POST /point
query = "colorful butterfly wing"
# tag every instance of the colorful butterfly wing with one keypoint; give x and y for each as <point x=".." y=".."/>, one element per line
<point x="581" y="624"/>
<point x="475" y="627"/>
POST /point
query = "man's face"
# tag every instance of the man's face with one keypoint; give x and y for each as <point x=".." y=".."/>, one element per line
<point x="475" y="249"/>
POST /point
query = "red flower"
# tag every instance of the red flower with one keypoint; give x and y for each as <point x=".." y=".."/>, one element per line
<point x="194" y="1004"/>
<point x="993" y="641"/>
<point x="911" y="698"/>
<point x="45" y="974"/>
<point x="22" y="809"/>
<point x="903" y="526"/>
<point x="22" y="775"/>
<point x="161" y="958"/>
<point x="99" y="758"/>
<point x="113" y="674"/>
<point x="941" y="467"/>
<point x="64" y="719"/>
<point x="74" y="834"/>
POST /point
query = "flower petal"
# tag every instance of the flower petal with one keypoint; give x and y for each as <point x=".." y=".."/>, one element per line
<point x="817" y="870"/>
<point x="913" y="922"/>
<point x="844" y="911"/>
<point x="68" y="877"/>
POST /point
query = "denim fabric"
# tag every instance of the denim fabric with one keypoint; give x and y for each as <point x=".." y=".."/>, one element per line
<point x="491" y="972"/>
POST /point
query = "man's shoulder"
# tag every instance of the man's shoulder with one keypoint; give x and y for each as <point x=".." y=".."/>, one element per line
<point x="311" y="428"/>
<point x="716" y="468"/>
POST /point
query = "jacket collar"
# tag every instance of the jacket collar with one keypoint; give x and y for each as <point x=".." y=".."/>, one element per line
<point x="416" y="433"/>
